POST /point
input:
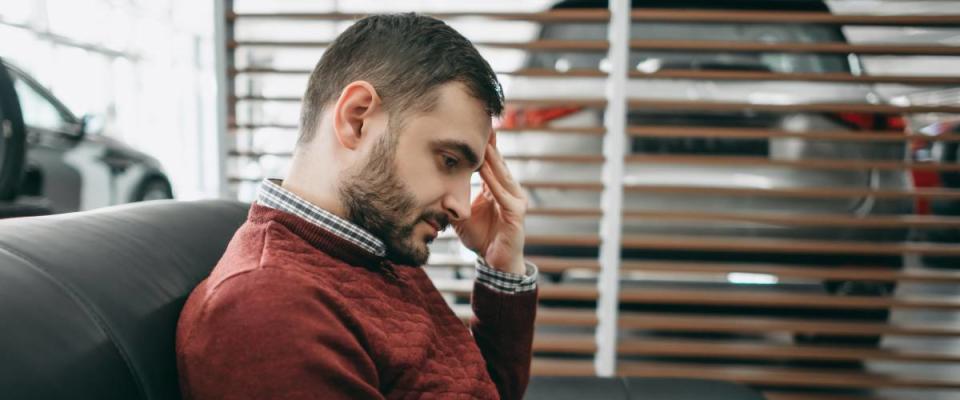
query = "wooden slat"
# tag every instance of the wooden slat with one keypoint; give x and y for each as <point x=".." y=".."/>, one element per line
<point x="563" y="240"/>
<point x="565" y="343"/>
<point x="563" y="130"/>
<point x="673" y="105"/>
<point x="801" y="219"/>
<point x="739" y="297"/>
<point x="807" y="193"/>
<point x="553" y="268"/>
<point x="748" y="325"/>
<point x="544" y="263"/>
<point x="234" y="44"/>
<point x="770" y="376"/>
<point x="567" y="292"/>
<point x="546" y="316"/>
<point x="837" y="77"/>
<point x="665" y="45"/>
<point x="552" y="73"/>
<point x="261" y="126"/>
<point x="243" y="179"/>
<point x="276" y="99"/>
<point x="792" y="17"/>
<point x="812" y="107"/>
<point x="579" y="186"/>
<point x="783" y="395"/>
<point x="790" y="246"/>
<point x="852" y="273"/>
<point x="462" y="287"/>
<point x="534" y="45"/>
<point x="827" y="164"/>
<point x="557" y="102"/>
<point x="714" y="75"/>
<point x="538" y="102"/>
<point x="662" y="15"/>
<point x="768" y="351"/>
<point x="576" y="15"/>
<point x="560" y="264"/>
<point x="661" y="131"/>
<point x="565" y="212"/>
<point x="258" y="154"/>
<point x="278" y="71"/>
<point x="557" y="158"/>
<point x="796" y="47"/>
<point x="722" y="191"/>
<point x="575" y="186"/>
<point x="549" y="45"/>
<point x="559" y="130"/>
<point x="540" y="366"/>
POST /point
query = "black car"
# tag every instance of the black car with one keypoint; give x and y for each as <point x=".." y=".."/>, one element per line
<point x="65" y="167"/>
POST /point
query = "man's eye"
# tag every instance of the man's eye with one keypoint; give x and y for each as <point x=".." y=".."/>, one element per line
<point x="450" y="162"/>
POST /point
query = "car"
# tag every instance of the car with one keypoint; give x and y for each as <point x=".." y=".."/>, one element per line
<point x="947" y="153"/>
<point x="690" y="174"/>
<point x="66" y="166"/>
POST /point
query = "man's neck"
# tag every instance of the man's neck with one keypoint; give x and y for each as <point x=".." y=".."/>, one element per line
<point x="327" y="201"/>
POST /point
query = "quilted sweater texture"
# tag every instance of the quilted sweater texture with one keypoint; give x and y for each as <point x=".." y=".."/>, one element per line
<point x="292" y="311"/>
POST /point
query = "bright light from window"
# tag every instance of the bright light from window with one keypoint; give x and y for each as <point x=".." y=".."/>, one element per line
<point x="746" y="278"/>
<point x="649" y="66"/>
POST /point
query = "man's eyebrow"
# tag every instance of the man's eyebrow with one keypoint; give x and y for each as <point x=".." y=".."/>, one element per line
<point x="459" y="147"/>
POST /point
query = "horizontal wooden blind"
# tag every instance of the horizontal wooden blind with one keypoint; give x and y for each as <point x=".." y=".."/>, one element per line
<point x="671" y="333"/>
<point x="758" y="334"/>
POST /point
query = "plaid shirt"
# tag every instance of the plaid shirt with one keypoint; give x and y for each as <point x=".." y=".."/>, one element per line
<point x="272" y="195"/>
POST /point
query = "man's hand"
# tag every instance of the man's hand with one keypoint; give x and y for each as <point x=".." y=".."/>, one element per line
<point x="495" y="228"/>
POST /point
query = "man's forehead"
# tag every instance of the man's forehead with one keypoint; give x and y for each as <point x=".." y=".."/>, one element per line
<point x="454" y="97"/>
<point x="460" y="114"/>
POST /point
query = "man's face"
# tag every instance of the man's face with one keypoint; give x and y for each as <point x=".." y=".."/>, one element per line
<point x="415" y="182"/>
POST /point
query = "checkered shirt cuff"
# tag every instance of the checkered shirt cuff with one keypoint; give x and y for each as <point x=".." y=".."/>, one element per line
<point x="506" y="282"/>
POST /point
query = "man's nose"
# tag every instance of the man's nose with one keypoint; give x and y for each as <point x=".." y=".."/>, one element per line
<point x="457" y="202"/>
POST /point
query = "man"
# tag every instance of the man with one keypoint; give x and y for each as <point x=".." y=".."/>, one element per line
<point x="320" y="294"/>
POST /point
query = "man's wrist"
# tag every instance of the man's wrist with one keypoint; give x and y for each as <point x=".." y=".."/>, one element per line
<point x="517" y="266"/>
<point x="508" y="282"/>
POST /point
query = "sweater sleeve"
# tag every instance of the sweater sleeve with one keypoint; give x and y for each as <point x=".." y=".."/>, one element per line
<point x="503" y="329"/>
<point x="265" y="334"/>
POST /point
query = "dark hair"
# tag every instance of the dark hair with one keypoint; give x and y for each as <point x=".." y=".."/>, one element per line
<point x="404" y="57"/>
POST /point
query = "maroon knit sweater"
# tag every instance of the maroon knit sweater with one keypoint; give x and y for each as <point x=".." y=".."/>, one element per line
<point x="292" y="311"/>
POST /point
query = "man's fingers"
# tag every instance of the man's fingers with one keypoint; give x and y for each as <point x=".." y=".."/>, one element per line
<point x="499" y="168"/>
<point x="499" y="193"/>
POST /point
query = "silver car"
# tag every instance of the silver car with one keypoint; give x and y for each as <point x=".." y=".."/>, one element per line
<point x="68" y="168"/>
<point x="707" y="175"/>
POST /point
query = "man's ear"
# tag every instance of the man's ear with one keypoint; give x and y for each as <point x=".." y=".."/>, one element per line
<point x="357" y="102"/>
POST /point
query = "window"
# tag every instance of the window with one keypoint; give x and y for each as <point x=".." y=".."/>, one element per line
<point x="38" y="111"/>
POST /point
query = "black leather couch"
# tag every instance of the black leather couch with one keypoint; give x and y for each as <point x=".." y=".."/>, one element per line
<point x="89" y="304"/>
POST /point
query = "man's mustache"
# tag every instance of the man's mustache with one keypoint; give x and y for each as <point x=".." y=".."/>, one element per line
<point x="441" y="219"/>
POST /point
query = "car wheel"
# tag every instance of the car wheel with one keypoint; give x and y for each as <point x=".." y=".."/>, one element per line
<point x="12" y="138"/>
<point x="154" y="188"/>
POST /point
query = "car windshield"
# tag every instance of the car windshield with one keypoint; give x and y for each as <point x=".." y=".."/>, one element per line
<point x="651" y="61"/>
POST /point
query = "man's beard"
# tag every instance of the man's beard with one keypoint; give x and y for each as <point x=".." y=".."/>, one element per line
<point x="378" y="201"/>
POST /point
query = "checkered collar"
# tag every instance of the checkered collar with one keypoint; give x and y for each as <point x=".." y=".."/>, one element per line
<point x="272" y="195"/>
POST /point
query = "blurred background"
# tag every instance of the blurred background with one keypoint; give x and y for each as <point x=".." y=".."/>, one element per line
<point x="756" y="191"/>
